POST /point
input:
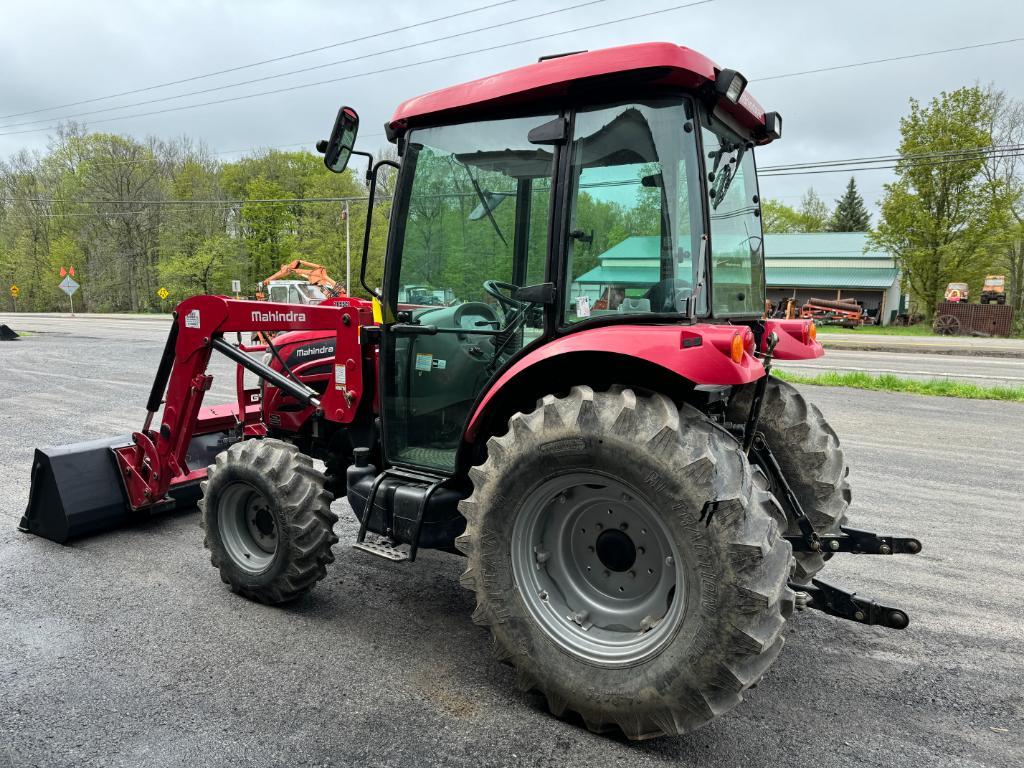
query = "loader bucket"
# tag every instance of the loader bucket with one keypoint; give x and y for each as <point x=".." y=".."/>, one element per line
<point x="77" y="489"/>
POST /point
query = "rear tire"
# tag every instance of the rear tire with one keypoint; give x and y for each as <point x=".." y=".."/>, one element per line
<point x="808" y="451"/>
<point x="268" y="520"/>
<point x="680" y="490"/>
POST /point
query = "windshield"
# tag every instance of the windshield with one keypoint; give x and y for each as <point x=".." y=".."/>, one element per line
<point x="635" y="225"/>
<point x="313" y="293"/>
<point x="736" y="243"/>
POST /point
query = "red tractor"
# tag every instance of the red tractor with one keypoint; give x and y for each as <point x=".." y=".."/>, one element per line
<point x="640" y="504"/>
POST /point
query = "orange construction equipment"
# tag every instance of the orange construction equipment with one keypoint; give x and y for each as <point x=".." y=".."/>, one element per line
<point x="314" y="274"/>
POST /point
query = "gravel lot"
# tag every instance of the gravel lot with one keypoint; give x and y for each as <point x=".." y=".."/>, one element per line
<point x="127" y="650"/>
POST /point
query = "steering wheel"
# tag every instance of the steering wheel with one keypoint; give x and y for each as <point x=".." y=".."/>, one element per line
<point x="495" y="288"/>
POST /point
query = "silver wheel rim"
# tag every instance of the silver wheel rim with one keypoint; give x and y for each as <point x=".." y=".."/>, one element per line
<point x="597" y="569"/>
<point x="247" y="527"/>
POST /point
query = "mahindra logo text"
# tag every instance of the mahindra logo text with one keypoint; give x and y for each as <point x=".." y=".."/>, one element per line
<point x="278" y="317"/>
<point x="307" y="351"/>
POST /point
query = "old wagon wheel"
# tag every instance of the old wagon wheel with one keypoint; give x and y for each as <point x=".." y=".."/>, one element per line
<point x="947" y="325"/>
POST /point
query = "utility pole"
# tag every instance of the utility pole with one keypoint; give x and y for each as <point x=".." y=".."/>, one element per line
<point x="348" y="253"/>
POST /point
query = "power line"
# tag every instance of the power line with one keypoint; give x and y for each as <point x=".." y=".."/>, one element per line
<point x="240" y="67"/>
<point x="394" y="68"/>
<point x="970" y="153"/>
<point x="911" y="164"/>
<point x="886" y="60"/>
<point x="265" y="78"/>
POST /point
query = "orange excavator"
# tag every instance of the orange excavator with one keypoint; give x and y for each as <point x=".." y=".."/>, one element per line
<point x="314" y="274"/>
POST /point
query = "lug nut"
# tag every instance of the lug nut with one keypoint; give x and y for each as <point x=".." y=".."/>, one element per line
<point x="669" y="560"/>
<point x="885" y="549"/>
<point x="833" y="545"/>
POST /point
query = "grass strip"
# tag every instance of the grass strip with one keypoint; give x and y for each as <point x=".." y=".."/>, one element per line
<point x="886" y="382"/>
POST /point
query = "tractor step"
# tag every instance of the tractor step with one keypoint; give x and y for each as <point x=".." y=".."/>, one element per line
<point x="382" y="550"/>
<point x="836" y="601"/>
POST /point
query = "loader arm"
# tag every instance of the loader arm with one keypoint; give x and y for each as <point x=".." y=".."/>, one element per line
<point x="155" y="460"/>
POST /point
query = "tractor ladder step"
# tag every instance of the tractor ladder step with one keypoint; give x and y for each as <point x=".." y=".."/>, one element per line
<point x="382" y="550"/>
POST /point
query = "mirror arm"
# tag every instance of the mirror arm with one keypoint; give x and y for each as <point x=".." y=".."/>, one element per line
<point x="369" y="165"/>
<point x="371" y="175"/>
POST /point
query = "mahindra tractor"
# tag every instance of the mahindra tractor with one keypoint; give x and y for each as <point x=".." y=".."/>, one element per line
<point x="565" y="378"/>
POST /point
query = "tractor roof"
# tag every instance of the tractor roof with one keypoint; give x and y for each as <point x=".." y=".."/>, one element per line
<point x="551" y="80"/>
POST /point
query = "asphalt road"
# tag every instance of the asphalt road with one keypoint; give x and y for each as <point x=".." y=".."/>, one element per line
<point x="127" y="650"/>
<point x="974" y="369"/>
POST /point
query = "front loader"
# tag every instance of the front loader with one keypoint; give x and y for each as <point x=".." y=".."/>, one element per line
<point x="588" y="414"/>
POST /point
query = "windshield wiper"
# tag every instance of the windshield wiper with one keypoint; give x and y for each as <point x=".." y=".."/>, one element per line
<point x="484" y="203"/>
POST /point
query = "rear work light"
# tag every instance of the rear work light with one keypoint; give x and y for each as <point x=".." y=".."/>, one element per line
<point x="773" y="126"/>
<point x="730" y="84"/>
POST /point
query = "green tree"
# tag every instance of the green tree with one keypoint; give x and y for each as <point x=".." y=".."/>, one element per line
<point x="781" y="218"/>
<point x="207" y="269"/>
<point x="939" y="216"/>
<point x="814" y="214"/>
<point x="268" y="228"/>
<point x="850" y="214"/>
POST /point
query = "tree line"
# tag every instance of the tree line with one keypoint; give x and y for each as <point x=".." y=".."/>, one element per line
<point x="133" y="217"/>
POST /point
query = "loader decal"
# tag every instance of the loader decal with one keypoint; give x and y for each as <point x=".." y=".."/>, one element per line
<point x="277" y="317"/>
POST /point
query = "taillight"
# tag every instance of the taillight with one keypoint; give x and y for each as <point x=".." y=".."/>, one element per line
<point x="812" y="332"/>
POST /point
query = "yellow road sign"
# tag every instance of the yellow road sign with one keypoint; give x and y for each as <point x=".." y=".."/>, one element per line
<point x="15" y="291"/>
<point x="163" y="293"/>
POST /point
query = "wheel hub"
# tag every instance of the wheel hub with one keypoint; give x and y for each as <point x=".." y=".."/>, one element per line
<point x="597" y="568"/>
<point x="247" y="527"/>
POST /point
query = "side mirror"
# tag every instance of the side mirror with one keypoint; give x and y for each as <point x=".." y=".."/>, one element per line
<point x="338" y="149"/>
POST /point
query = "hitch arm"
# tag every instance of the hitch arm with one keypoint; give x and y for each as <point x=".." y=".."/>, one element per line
<point x="835" y="601"/>
<point x="859" y="543"/>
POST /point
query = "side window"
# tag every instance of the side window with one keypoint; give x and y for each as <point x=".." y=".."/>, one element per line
<point x="634" y="224"/>
<point x="737" y="248"/>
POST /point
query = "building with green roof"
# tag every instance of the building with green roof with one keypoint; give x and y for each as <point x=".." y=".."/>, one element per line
<point x="826" y="265"/>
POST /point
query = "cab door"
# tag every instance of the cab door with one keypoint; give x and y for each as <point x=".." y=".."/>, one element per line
<point x="471" y="226"/>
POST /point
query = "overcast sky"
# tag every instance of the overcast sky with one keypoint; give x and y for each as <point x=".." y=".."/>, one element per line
<point x="53" y="53"/>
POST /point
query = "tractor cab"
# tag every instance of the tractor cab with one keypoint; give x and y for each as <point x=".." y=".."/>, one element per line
<point x="625" y="195"/>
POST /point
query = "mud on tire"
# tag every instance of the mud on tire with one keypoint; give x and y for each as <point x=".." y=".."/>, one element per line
<point x="268" y="520"/>
<point x="808" y="451"/>
<point x="733" y="563"/>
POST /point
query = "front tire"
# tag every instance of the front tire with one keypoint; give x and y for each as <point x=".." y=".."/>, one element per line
<point x="625" y="562"/>
<point x="268" y="520"/>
